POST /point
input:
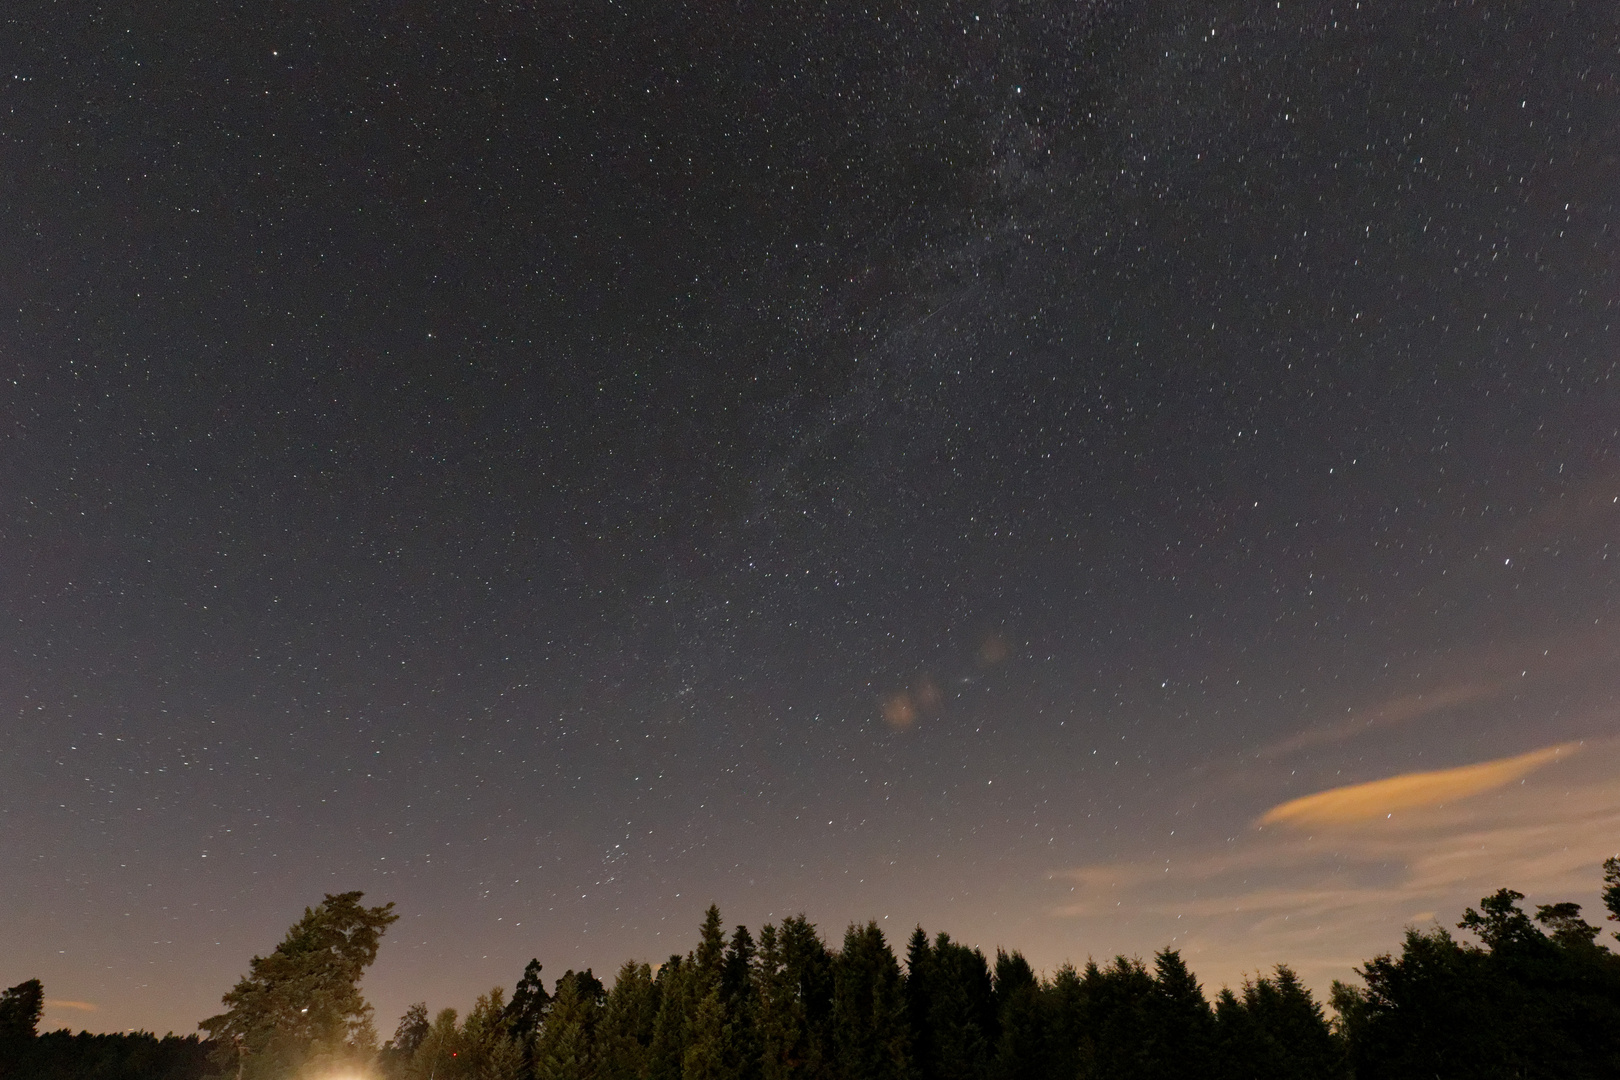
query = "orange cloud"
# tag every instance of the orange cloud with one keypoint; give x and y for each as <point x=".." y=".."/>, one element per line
<point x="1324" y="899"/>
<point x="81" y="1006"/>
<point x="1409" y="791"/>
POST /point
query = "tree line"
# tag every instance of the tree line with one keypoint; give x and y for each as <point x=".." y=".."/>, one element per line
<point x="1538" y="995"/>
<point x="63" y="1055"/>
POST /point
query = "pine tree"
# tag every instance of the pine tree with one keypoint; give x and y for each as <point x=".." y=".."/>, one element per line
<point x="1181" y="1020"/>
<point x="1297" y="1022"/>
<point x="301" y="1006"/>
<point x="705" y="1057"/>
<point x="793" y="976"/>
<point x="1118" y="1035"/>
<point x="672" y="1026"/>
<point x="711" y="951"/>
<point x="741" y="1001"/>
<point x="438" y="1055"/>
<point x="1022" y="1051"/>
<point x="566" y="1047"/>
<point x="625" y="1034"/>
<point x="528" y="1005"/>
<point x="919" y="1000"/>
<point x="704" y="1054"/>
<point x="870" y="1035"/>
<point x="962" y="1025"/>
<point x="1277" y="1031"/>
<point x="488" y="1049"/>
<point x="1067" y="1010"/>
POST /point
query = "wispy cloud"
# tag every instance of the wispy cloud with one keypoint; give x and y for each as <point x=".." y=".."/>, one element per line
<point x="1330" y="885"/>
<point x="77" y="1006"/>
<point x="1471" y="679"/>
<point x="1410" y="791"/>
<point x="1401" y="710"/>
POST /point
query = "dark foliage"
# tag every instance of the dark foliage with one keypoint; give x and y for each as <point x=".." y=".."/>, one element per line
<point x="63" y="1055"/>
<point x="1537" y="997"/>
<point x="529" y="1002"/>
<point x="20" y="1010"/>
<point x="1522" y="1004"/>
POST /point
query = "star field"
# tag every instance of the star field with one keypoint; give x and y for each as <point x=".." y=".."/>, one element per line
<point x="556" y="466"/>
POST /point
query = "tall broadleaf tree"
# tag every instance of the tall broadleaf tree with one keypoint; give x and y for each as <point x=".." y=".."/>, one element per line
<point x="301" y="1006"/>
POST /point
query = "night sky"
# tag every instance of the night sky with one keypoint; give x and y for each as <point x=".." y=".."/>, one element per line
<point x="556" y="465"/>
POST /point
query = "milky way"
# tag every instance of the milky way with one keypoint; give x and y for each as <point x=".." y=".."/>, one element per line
<point x="553" y="466"/>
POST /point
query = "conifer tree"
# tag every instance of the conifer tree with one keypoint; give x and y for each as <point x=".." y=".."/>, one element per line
<point x="438" y="1055"/>
<point x="710" y="955"/>
<point x="528" y="1005"/>
<point x="870" y="1036"/>
<point x="301" y="1006"/>
<point x="671" y="1027"/>
<point x="1066" y="998"/>
<point x="1242" y="1050"/>
<point x="776" y="1003"/>
<point x="625" y="1034"/>
<point x="741" y="1001"/>
<point x="1276" y="1031"/>
<point x="1181" y="1022"/>
<point x="704" y="1054"/>
<point x="793" y="973"/>
<point x="919" y="998"/>
<point x="962" y="1026"/>
<point x="488" y="1050"/>
<point x="705" y="1057"/>
<point x="1022" y="1051"/>
<point x="1118" y="1036"/>
<point x="566" y="1047"/>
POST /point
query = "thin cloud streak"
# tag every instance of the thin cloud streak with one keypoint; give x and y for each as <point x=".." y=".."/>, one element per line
<point x="1325" y="896"/>
<point x="1401" y="710"/>
<point x="1475" y="677"/>
<point x="78" y="1006"/>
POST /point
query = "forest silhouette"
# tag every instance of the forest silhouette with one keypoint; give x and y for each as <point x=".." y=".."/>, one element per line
<point x="1534" y="996"/>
